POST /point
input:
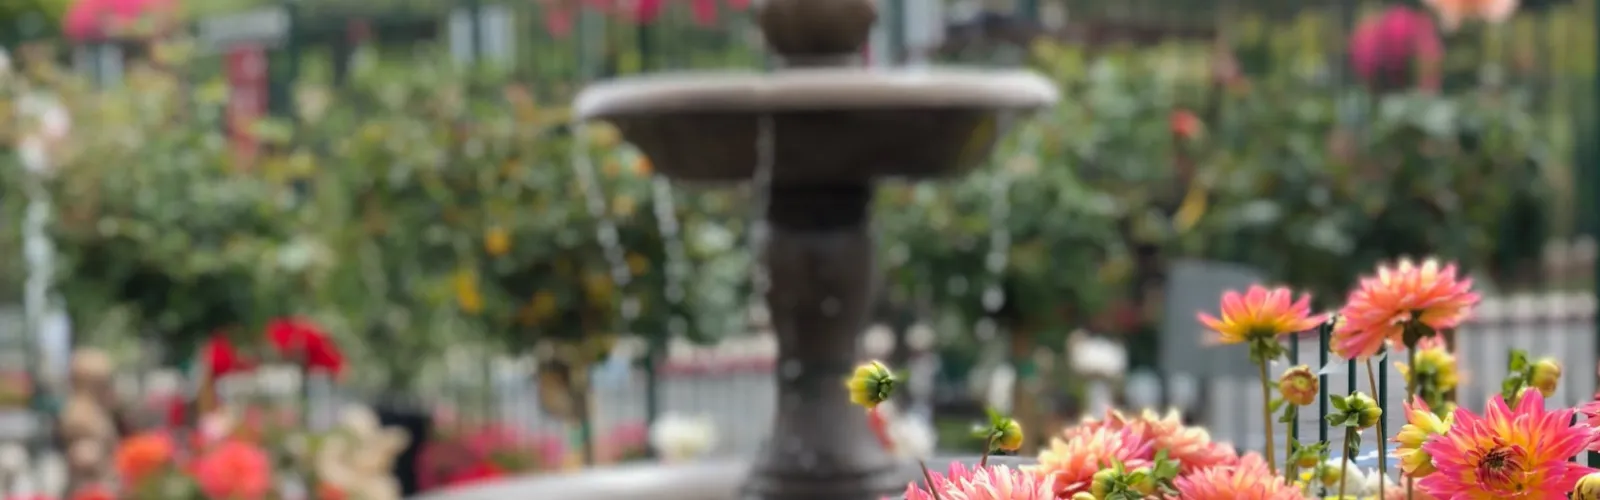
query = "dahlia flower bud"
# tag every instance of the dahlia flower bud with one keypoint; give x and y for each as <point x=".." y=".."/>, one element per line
<point x="1588" y="487"/>
<point x="1356" y="410"/>
<point x="1298" y="386"/>
<point x="872" y="383"/>
<point x="1546" y="375"/>
<point x="1002" y="433"/>
<point x="1366" y="409"/>
<point x="1010" y="435"/>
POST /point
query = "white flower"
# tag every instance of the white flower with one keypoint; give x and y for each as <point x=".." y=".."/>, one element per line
<point x="1098" y="356"/>
<point x="31" y="149"/>
<point x="1370" y="486"/>
<point x="13" y="458"/>
<point x="912" y="437"/>
<point x="1354" y="480"/>
<point x="359" y="419"/>
<point x="54" y="121"/>
<point x="218" y="425"/>
<point x="677" y="438"/>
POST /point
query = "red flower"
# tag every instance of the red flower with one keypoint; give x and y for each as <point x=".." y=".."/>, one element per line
<point x="1184" y="124"/>
<point x="705" y="12"/>
<point x="92" y="493"/>
<point x="300" y="340"/>
<point x="482" y="472"/>
<point x="221" y="358"/>
<point x="96" y="19"/>
<point x="880" y="428"/>
<point x="1397" y="48"/>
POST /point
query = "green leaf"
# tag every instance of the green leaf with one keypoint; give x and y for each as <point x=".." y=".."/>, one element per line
<point x="1518" y="361"/>
<point x="1339" y="403"/>
<point x="1288" y="415"/>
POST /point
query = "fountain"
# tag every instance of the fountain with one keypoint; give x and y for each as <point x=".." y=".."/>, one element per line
<point x="814" y="136"/>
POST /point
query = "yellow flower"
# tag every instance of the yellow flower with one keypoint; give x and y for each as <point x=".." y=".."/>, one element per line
<point x="638" y="264"/>
<point x="467" y="295"/>
<point x="496" y="241"/>
<point x="1588" y="487"/>
<point x="1546" y="375"/>
<point x="642" y="166"/>
<point x="543" y="305"/>
<point x="1421" y="424"/>
<point x="598" y="287"/>
<point x="604" y="136"/>
<point x="872" y="383"/>
<point x="1298" y="385"/>
<point x="623" y="206"/>
<point x="1436" y="364"/>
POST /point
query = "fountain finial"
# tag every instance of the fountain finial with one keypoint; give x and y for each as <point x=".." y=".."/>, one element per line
<point x="817" y="30"/>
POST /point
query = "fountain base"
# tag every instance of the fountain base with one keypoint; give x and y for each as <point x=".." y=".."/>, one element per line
<point x="705" y="481"/>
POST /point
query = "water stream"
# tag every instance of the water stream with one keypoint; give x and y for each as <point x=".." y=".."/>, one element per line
<point x="606" y="228"/>
<point x="760" y="201"/>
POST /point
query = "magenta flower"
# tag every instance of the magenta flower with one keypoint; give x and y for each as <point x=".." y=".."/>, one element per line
<point x="1397" y="48"/>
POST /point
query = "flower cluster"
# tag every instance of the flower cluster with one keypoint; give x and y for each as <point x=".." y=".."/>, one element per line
<point x="218" y="463"/>
<point x="457" y="457"/>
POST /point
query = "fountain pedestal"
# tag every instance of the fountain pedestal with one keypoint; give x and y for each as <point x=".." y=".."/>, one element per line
<point x="822" y="271"/>
<point x="820" y="133"/>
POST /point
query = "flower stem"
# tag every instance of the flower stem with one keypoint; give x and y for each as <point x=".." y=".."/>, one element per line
<point x="1344" y="461"/>
<point x="988" y="447"/>
<point x="1411" y="392"/>
<point x="1383" y="472"/>
<point x="927" y="477"/>
<point x="1266" y="416"/>
<point x="1290" y="467"/>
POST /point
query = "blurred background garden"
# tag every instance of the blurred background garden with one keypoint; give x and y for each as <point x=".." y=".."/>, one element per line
<point x="269" y="211"/>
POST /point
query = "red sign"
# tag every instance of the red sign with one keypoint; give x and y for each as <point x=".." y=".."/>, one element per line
<point x="247" y="98"/>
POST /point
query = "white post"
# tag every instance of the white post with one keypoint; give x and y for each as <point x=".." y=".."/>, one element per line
<point x="46" y="331"/>
<point x="925" y="21"/>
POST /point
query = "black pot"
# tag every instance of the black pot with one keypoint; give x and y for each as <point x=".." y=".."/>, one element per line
<point x="418" y="423"/>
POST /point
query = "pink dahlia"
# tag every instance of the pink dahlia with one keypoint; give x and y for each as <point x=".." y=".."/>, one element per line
<point x="1508" y="454"/>
<point x="1191" y="446"/>
<point x="986" y="483"/>
<point x="1250" y="479"/>
<point x="1072" y="460"/>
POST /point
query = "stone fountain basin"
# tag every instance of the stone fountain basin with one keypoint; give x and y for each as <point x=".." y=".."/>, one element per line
<point x="701" y="481"/>
<point x="830" y="125"/>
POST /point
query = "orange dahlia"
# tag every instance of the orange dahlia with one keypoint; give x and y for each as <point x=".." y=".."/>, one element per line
<point x="984" y="483"/>
<point x="1072" y="460"/>
<point x="1260" y="313"/>
<point x="1453" y="12"/>
<point x="1422" y="299"/>
<point x="1250" y="479"/>
<point x="1508" y="454"/>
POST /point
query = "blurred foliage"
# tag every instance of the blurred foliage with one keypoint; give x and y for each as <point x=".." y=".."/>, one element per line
<point x="458" y="210"/>
<point x="414" y="207"/>
<point x="153" y="217"/>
